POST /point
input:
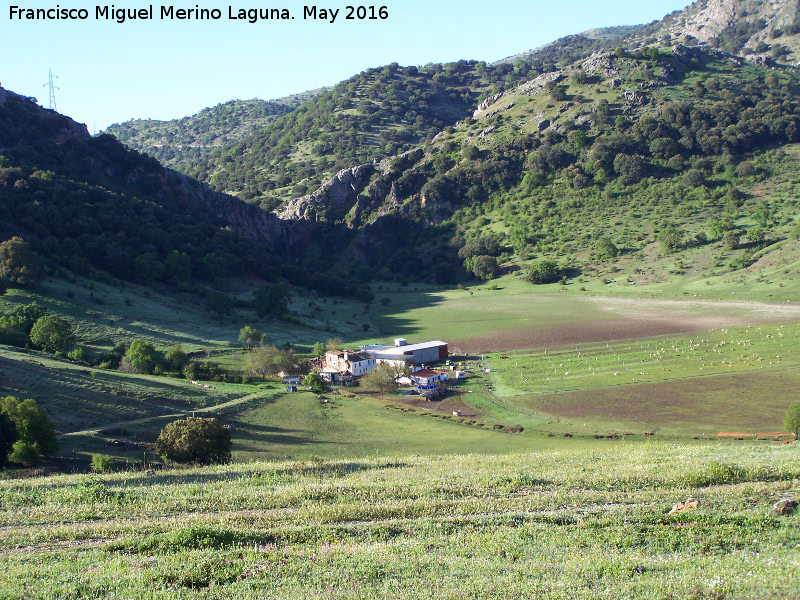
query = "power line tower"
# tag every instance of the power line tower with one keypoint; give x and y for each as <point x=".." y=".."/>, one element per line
<point x="52" y="87"/>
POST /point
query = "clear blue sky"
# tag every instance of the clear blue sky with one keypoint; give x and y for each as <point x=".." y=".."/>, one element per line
<point x="109" y="72"/>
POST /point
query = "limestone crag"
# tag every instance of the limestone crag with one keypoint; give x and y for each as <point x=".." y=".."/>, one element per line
<point x="537" y="86"/>
<point x="343" y="188"/>
<point x="483" y="106"/>
<point x="600" y="65"/>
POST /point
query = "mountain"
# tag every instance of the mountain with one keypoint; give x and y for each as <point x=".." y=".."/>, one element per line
<point x="624" y="146"/>
<point x="91" y="205"/>
<point x="595" y="146"/>
<point x="737" y="26"/>
<point x="372" y="115"/>
<point x="175" y="143"/>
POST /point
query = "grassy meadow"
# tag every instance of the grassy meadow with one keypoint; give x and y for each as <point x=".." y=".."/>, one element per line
<point x="588" y="523"/>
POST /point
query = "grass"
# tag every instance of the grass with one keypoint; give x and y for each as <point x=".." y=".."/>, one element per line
<point x="557" y="524"/>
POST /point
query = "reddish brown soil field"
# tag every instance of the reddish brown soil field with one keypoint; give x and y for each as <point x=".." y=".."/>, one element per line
<point x="630" y="319"/>
<point x="693" y="406"/>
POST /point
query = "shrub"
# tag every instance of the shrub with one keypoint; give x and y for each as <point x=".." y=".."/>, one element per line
<point x="77" y="354"/>
<point x="485" y="267"/>
<point x="195" y="440"/>
<point x="543" y="271"/>
<point x="102" y="463"/>
<point x="33" y="425"/>
<point x="315" y="382"/>
<point x="606" y="249"/>
<point x="19" y="264"/>
<point x="52" y="334"/>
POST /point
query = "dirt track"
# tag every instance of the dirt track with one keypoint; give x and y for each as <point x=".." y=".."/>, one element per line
<point x="632" y="318"/>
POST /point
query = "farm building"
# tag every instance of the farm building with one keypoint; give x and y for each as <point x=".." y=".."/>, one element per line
<point x="425" y="353"/>
<point x="353" y="363"/>
<point x="427" y="377"/>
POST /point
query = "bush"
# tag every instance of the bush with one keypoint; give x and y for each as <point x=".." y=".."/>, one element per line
<point x="33" y="425"/>
<point x="8" y="435"/>
<point x="102" y="463"/>
<point x="52" y="334"/>
<point x="195" y="440"/>
<point x="485" y="267"/>
<point x="19" y="264"/>
<point x="77" y="354"/>
<point x="605" y="248"/>
<point x="543" y="271"/>
<point x="315" y="382"/>
<point x="24" y="453"/>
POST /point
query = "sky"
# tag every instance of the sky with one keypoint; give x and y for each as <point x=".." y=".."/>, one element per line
<point x="109" y="72"/>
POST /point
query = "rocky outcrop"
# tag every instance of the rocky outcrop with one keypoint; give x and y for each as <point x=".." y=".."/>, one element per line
<point x="537" y="86"/>
<point x="706" y="23"/>
<point x="342" y="189"/>
<point x="600" y="65"/>
<point x="483" y="106"/>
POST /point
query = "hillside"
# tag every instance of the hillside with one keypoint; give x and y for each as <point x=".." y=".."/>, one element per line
<point x="743" y="27"/>
<point x="568" y="524"/>
<point x="90" y="205"/>
<point x="662" y="151"/>
<point x="374" y="114"/>
<point x="179" y="142"/>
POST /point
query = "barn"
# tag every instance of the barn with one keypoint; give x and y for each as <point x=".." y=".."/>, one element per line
<point x="423" y="354"/>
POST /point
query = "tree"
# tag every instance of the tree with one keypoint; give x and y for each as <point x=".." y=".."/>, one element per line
<point x="261" y="361"/>
<point x="485" y="267"/>
<point x="271" y="299"/>
<point x="319" y="349"/>
<point x="52" y="334"/>
<point x="671" y="238"/>
<point x="15" y="328"/>
<point x="605" y="248"/>
<point x="176" y="357"/>
<point x="177" y="267"/>
<point x="36" y="434"/>
<point x="791" y="421"/>
<point x="543" y="271"/>
<point x="731" y="239"/>
<point x="195" y="440"/>
<point x="142" y="356"/>
<point x="219" y="303"/>
<point x="286" y="361"/>
<point x="249" y="336"/>
<point x="315" y="382"/>
<point x="19" y="264"/>
<point x="8" y="435"/>
<point x="382" y="378"/>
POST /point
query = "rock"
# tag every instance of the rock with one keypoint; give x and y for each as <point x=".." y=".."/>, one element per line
<point x="634" y="97"/>
<point x="785" y="507"/>
<point x="487" y="103"/>
<point x="690" y="504"/>
<point x="537" y="86"/>
<point x="601" y="65"/>
<point x="761" y="60"/>
<point x="487" y="131"/>
<point x="332" y="194"/>
<point x="542" y="125"/>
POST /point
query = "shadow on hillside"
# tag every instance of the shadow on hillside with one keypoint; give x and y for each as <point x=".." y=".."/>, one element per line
<point x="389" y="320"/>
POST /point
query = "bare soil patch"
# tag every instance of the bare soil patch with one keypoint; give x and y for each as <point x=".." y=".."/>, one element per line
<point x="632" y="318"/>
<point x="446" y="406"/>
<point x="697" y="405"/>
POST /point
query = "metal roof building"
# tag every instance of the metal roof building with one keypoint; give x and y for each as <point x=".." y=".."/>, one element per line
<point x="425" y="353"/>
